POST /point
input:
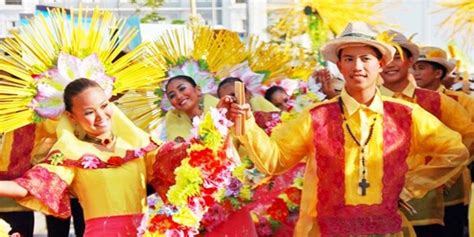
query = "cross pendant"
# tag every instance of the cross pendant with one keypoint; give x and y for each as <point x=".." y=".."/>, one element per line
<point x="363" y="184"/>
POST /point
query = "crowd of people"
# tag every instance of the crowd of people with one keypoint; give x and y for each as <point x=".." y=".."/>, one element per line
<point x="386" y="154"/>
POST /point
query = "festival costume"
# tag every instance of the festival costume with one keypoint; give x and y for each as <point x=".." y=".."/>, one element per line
<point x="45" y="56"/>
<point x="20" y="149"/>
<point x="337" y="199"/>
<point x="430" y="209"/>
<point x="319" y="132"/>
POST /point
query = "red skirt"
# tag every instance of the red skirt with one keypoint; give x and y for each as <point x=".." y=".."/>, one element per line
<point x="238" y="224"/>
<point x="113" y="226"/>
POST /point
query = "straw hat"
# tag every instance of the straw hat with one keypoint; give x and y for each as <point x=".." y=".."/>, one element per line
<point x="436" y="55"/>
<point x="405" y="43"/>
<point x="356" y="34"/>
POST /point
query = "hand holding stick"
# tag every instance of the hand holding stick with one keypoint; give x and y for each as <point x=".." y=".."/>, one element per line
<point x="240" y="120"/>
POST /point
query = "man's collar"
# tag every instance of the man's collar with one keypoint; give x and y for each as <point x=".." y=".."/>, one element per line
<point x="441" y="88"/>
<point x="352" y="105"/>
<point x="408" y="91"/>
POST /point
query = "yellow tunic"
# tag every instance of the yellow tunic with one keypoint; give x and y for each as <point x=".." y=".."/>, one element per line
<point x="178" y="123"/>
<point x="102" y="192"/>
<point x="292" y="141"/>
<point x="464" y="99"/>
<point x="456" y="117"/>
<point x="44" y="138"/>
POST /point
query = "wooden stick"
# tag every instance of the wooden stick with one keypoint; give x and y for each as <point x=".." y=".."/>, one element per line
<point x="240" y="95"/>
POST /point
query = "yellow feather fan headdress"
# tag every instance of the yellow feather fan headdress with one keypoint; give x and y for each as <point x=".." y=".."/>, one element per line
<point x="48" y="53"/>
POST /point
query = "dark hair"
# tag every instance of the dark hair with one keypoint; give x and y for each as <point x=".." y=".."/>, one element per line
<point x="378" y="54"/>
<point x="75" y="88"/>
<point x="437" y="66"/>
<point x="181" y="77"/>
<point x="226" y="81"/>
<point x="270" y="91"/>
<point x="407" y="53"/>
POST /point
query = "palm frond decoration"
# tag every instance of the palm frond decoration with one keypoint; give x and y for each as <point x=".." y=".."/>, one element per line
<point x="47" y="53"/>
<point x="460" y="21"/>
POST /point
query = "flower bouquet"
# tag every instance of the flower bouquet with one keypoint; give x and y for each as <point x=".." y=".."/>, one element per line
<point x="209" y="183"/>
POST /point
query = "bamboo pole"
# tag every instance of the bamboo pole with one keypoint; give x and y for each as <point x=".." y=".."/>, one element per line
<point x="240" y="96"/>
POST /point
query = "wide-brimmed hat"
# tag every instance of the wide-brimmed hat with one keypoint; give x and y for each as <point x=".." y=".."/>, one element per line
<point x="404" y="42"/>
<point x="355" y="34"/>
<point x="436" y="55"/>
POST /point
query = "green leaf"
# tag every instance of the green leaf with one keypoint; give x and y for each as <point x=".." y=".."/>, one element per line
<point x="203" y="65"/>
<point x="264" y="72"/>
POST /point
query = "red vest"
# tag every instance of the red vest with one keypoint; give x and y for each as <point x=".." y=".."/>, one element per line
<point x="334" y="216"/>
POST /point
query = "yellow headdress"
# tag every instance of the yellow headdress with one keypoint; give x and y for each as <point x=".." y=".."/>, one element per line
<point x="48" y="53"/>
<point x="199" y="53"/>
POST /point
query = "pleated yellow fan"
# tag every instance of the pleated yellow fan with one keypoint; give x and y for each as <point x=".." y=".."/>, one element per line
<point x="35" y="47"/>
<point x="267" y="58"/>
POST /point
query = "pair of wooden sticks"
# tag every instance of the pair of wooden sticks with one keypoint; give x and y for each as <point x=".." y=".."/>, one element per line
<point x="240" y="96"/>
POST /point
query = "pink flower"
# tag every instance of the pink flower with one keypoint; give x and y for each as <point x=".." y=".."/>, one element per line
<point x="138" y="152"/>
<point x="90" y="162"/>
<point x="264" y="228"/>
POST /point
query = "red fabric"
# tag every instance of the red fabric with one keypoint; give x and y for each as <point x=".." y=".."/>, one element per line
<point x="20" y="155"/>
<point x="238" y="224"/>
<point x="167" y="160"/>
<point x="113" y="226"/>
<point x="429" y="100"/>
<point x="49" y="189"/>
<point x="266" y="194"/>
<point x="334" y="216"/>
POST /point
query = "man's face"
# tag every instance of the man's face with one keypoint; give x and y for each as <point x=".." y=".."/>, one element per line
<point x="360" y="67"/>
<point x="397" y="70"/>
<point x="425" y="74"/>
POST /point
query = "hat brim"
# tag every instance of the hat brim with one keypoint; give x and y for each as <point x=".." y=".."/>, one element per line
<point x="413" y="48"/>
<point x="445" y="63"/>
<point x="331" y="48"/>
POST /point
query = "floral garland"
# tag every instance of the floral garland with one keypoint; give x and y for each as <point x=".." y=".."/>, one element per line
<point x="48" y="102"/>
<point x="282" y="211"/>
<point x="208" y="183"/>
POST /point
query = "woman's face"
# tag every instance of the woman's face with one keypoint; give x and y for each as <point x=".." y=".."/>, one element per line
<point x="183" y="95"/>
<point x="280" y="99"/>
<point x="92" y="111"/>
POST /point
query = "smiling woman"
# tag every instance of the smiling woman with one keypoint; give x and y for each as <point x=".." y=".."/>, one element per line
<point x="111" y="148"/>
<point x="188" y="101"/>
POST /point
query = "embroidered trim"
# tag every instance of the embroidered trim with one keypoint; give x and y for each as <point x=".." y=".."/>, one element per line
<point x="90" y="161"/>
<point x="429" y="100"/>
<point x="49" y="189"/>
<point x="20" y="155"/>
<point x="334" y="216"/>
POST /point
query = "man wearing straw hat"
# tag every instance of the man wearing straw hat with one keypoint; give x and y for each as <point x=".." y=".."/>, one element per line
<point x="429" y="217"/>
<point x="362" y="148"/>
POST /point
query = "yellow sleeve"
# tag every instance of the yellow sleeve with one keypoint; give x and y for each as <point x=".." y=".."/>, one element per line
<point x="48" y="189"/>
<point x="437" y="155"/>
<point x="289" y="143"/>
<point x="456" y="117"/>
<point x="467" y="102"/>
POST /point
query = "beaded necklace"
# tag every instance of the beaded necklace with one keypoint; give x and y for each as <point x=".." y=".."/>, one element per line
<point x="363" y="183"/>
